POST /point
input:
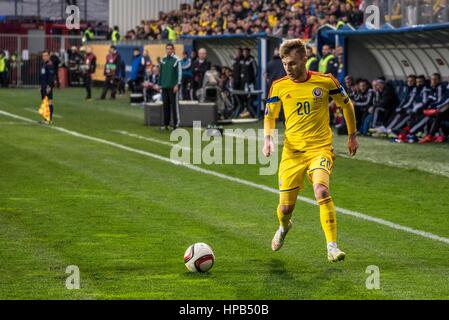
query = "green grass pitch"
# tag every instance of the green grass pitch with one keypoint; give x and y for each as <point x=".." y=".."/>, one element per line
<point x="125" y="219"/>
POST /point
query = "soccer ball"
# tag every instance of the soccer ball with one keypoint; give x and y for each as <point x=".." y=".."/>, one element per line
<point x="199" y="257"/>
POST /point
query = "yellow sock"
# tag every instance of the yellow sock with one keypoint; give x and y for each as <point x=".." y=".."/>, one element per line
<point x="328" y="217"/>
<point x="283" y="219"/>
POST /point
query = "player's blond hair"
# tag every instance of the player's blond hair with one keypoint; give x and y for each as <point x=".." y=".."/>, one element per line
<point x="292" y="45"/>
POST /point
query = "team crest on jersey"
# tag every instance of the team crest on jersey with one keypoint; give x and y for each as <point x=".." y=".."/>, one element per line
<point x="318" y="93"/>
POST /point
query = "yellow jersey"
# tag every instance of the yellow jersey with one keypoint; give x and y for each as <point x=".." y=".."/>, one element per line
<point x="306" y="109"/>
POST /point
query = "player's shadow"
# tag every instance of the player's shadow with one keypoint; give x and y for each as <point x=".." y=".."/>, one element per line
<point x="277" y="268"/>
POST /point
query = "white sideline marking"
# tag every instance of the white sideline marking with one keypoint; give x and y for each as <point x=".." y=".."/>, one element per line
<point x="57" y="116"/>
<point x="355" y="214"/>
<point x="133" y="135"/>
<point x="12" y="123"/>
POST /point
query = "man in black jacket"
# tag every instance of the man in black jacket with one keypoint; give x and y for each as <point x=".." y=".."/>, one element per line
<point x="200" y="66"/>
<point x="46" y="80"/>
<point x="237" y="70"/>
<point x="248" y="70"/>
<point x="56" y="62"/>
<point x="363" y="100"/>
<point x="88" y="68"/>
<point x="388" y="101"/>
<point x="275" y="69"/>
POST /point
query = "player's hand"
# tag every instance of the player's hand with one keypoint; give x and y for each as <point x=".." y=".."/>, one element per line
<point x="176" y="89"/>
<point x="268" y="148"/>
<point x="353" y="144"/>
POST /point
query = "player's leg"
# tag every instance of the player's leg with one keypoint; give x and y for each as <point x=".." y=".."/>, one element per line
<point x="328" y="214"/>
<point x="285" y="210"/>
<point x="320" y="170"/>
<point x="291" y="176"/>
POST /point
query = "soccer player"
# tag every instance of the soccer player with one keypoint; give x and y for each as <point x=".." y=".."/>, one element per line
<point x="47" y="79"/>
<point x="304" y="96"/>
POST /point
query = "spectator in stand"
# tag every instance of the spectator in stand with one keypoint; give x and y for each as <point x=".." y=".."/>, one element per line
<point x="200" y="66"/>
<point x="295" y="18"/>
<point x="187" y="75"/>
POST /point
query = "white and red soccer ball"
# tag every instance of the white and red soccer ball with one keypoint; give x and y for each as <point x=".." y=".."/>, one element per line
<point x="199" y="257"/>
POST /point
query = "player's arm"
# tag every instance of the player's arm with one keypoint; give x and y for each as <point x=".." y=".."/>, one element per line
<point x="341" y="98"/>
<point x="272" y="109"/>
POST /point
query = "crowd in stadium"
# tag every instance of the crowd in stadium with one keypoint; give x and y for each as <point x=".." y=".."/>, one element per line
<point x="287" y="18"/>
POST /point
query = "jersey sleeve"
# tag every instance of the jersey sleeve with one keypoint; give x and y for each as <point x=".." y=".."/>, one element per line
<point x="341" y="98"/>
<point x="273" y="104"/>
<point x="272" y="110"/>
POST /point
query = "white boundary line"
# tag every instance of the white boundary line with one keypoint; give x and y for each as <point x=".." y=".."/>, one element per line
<point x="355" y="214"/>
<point x="133" y="135"/>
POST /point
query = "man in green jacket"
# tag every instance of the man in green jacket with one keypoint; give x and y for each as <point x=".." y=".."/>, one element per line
<point x="170" y="81"/>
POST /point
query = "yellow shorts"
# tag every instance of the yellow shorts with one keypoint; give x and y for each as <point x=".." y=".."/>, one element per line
<point x="295" y="165"/>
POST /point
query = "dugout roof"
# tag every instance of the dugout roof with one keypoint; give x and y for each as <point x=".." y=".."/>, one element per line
<point x="395" y="53"/>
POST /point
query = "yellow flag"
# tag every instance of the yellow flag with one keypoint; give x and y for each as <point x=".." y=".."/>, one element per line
<point x="44" y="110"/>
